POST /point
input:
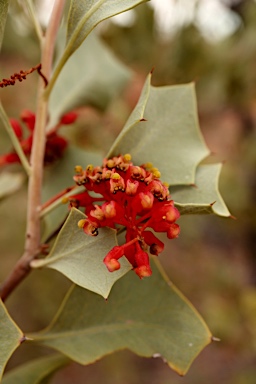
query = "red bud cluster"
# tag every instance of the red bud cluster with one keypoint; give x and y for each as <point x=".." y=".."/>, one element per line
<point x="55" y="144"/>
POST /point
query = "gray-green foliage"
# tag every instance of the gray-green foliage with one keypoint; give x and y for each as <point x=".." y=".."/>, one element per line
<point x="149" y="317"/>
<point x="169" y="138"/>
<point x="204" y="195"/>
<point x="10" y="183"/>
<point x="80" y="257"/>
<point x="37" y="371"/>
<point x="83" y="17"/>
<point x="86" y="80"/>
<point x="3" y="16"/>
<point x="10" y="337"/>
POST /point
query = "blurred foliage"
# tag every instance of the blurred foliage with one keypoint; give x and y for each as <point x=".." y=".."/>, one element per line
<point x="214" y="260"/>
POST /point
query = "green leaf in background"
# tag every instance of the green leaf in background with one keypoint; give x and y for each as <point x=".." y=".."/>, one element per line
<point x="169" y="138"/>
<point x="82" y="19"/>
<point x="80" y="257"/>
<point x="150" y="317"/>
<point x="87" y="80"/>
<point x="10" y="337"/>
<point x="204" y="196"/>
<point x="60" y="176"/>
<point x="10" y="183"/>
<point x="36" y="371"/>
<point x="3" y="16"/>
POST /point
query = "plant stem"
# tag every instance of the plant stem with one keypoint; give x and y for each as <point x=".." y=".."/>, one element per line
<point x="32" y="242"/>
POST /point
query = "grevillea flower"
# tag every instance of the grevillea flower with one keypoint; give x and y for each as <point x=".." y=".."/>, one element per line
<point x="55" y="144"/>
<point x="132" y="197"/>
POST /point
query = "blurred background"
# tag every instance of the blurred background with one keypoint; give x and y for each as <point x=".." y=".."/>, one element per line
<point x="210" y="42"/>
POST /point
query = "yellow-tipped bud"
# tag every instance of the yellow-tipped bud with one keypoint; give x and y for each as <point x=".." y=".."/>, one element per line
<point x="166" y="184"/>
<point x="78" y="169"/>
<point x="127" y="157"/>
<point x="111" y="163"/>
<point x="89" y="168"/>
<point x="156" y="173"/>
<point x="81" y="223"/>
<point x="148" y="166"/>
<point x="115" y="176"/>
<point x="65" y="200"/>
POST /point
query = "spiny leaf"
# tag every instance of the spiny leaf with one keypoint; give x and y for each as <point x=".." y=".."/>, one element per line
<point x="87" y="80"/>
<point x="36" y="371"/>
<point x="80" y="257"/>
<point x="204" y="196"/>
<point x="3" y="16"/>
<point x="149" y="317"/>
<point x="82" y="19"/>
<point x="163" y="129"/>
<point x="10" y="337"/>
<point x="10" y="183"/>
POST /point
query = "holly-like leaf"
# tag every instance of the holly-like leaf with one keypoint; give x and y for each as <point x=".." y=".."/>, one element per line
<point x="163" y="129"/>
<point x="36" y="371"/>
<point x="149" y="317"/>
<point x="3" y="16"/>
<point x="10" y="337"/>
<point x="60" y="176"/>
<point x="80" y="257"/>
<point x="204" y="196"/>
<point x="83" y="17"/>
<point x="10" y="183"/>
<point x="87" y="80"/>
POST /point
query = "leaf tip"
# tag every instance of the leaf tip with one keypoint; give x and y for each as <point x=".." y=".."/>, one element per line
<point x="23" y="339"/>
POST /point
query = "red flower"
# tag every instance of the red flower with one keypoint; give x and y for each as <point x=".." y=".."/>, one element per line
<point x="55" y="144"/>
<point x="132" y="197"/>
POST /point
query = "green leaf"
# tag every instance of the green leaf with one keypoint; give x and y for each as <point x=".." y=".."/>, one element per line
<point x="169" y="138"/>
<point x="10" y="183"/>
<point x="36" y="371"/>
<point x="3" y="16"/>
<point x="80" y="257"/>
<point x="204" y="196"/>
<point x="60" y="176"/>
<point x="10" y="337"/>
<point x="82" y="19"/>
<point x="87" y="80"/>
<point x="149" y="317"/>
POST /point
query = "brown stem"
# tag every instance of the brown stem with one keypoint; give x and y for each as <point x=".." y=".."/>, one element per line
<point x="32" y="243"/>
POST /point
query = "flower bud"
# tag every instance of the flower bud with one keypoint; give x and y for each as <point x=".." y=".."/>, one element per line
<point x="29" y="119"/>
<point x="143" y="271"/>
<point x="111" y="258"/>
<point x="173" y="231"/>
<point x="131" y="187"/>
<point x="68" y="118"/>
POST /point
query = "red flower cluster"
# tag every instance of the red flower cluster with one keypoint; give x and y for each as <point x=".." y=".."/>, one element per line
<point x="55" y="144"/>
<point x="132" y="197"/>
